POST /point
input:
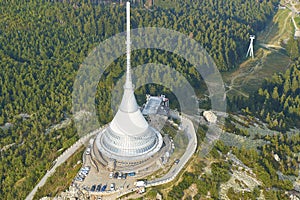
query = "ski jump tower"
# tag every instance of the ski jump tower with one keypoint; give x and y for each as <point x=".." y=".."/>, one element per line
<point x="128" y="141"/>
<point x="250" y="49"/>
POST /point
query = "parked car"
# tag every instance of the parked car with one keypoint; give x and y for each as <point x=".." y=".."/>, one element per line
<point x="78" y="179"/>
<point x="103" y="188"/>
<point x="111" y="175"/>
<point x="120" y="175"/>
<point x="112" y="187"/>
<point x="93" y="188"/>
<point x="86" y="168"/>
<point x="131" y="174"/>
<point x="116" y="175"/>
<point x="88" y="151"/>
<point x="81" y="176"/>
<point x="98" y="188"/>
<point x="83" y="173"/>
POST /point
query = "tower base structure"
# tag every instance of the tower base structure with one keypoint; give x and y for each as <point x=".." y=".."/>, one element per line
<point x="125" y="163"/>
<point x="140" y="165"/>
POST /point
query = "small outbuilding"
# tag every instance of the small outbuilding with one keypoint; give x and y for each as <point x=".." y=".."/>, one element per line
<point x="210" y="116"/>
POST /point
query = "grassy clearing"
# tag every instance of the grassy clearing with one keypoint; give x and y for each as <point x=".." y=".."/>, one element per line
<point x="273" y="63"/>
<point x="251" y="73"/>
<point x="279" y="28"/>
<point x="63" y="176"/>
<point x="283" y="27"/>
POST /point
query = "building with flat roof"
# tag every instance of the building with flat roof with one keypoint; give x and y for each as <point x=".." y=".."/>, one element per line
<point x="156" y="105"/>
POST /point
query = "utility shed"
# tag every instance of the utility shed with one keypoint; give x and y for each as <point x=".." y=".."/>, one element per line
<point x="210" y="116"/>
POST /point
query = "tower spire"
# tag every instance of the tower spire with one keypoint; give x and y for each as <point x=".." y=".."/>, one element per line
<point x="128" y="83"/>
<point x="128" y="103"/>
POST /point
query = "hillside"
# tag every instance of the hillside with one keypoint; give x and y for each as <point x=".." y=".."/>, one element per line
<point x="43" y="43"/>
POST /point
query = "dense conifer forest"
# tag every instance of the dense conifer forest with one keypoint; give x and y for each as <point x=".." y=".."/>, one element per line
<point x="43" y="43"/>
<point x="277" y="102"/>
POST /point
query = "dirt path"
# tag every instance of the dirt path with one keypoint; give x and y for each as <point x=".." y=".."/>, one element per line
<point x="295" y="24"/>
<point x="282" y="31"/>
<point x="243" y="71"/>
<point x="276" y="18"/>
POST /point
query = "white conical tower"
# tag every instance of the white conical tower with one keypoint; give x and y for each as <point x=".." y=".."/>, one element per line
<point x="129" y="138"/>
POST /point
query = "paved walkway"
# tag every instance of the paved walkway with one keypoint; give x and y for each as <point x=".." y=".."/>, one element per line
<point x="173" y="172"/>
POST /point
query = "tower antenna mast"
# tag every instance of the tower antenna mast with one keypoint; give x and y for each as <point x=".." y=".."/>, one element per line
<point x="128" y="83"/>
<point x="250" y="49"/>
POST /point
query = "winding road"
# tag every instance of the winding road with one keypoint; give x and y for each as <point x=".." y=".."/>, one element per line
<point x="61" y="159"/>
<point x="190" y="149"/>
<point x="171" y="175"/>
